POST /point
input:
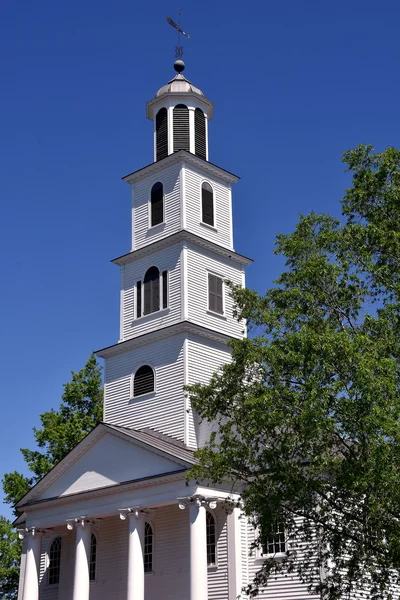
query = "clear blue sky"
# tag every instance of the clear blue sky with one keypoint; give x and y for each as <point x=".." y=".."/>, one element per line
<point x="294" y="85"/>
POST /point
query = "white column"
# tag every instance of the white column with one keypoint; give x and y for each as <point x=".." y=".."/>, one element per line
<point x="198" y="550"/>
<point x="82" y="557"/>
<point x="234" y="523"/>
<point x="32" y="564"/>
<point x="135" y="590"/>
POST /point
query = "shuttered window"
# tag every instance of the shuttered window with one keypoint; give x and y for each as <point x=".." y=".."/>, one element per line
<point x="138" y="299"/>
<point x="181" y="128"/>
<point x="55" y="561"/>
<point x="151" y="291"/>
<point x="143" y="382"/>
<point x="165" y="288"/>
<point x="211" y="539"/>
<point x="148" y="548"/>
<point x="200" y="133"/>
<point x="157" y="204"/>
<point x="93" y="557"/>
<point x="207" y="204"/>
<point x="215" y="290"/>
<point x="162" y="134"/>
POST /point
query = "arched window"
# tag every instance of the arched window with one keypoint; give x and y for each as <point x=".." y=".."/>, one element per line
<point x="143" y="382"/>
<point x="207" y="204"/>
<point x="55" y="561"/>
<point x="211" y="539"/>
<point x="181" y="128"/>
<point x="162" y="134"/>
<point x="151" y="290"/>
<point x="157" y="204"/>
<point x="148" y="548"/>
<point x="200" y="133"/>
<point x="93" y="556"/>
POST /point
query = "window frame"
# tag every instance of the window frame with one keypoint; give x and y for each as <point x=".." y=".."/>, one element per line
<point x="96" y="537"/>
<point x="210" y="310"/>
<point x="208" y="225"/>
<point x="139" y="284"/>
<point x="212" y="566"/>
<point x="261" y="555"/>
<point x="132" y="383"/>
<point x="149" y="208"/>
<point x="48" y="560"/>
<point x="150" y="523"/>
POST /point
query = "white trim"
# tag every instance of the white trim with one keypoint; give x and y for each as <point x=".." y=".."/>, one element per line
<point x="230" y="217"/>
<point x="214" y="226"/>
<point x="191" y="129"/>
<point x="183" y="195"/>
<point x="208" y="226"/>
<point x="184" y="284"/>
<point x="155" y="135"/>
<point x="133" y="216"/>
<point x="234" y="543"/>
<point x="206" y="118"/>
<point x="186" y="401"/>
<point x="122" y="302"/>
<point x="132" y="378"/>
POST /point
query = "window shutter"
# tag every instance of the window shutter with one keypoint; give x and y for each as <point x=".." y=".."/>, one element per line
<point x="151" y="290"/>
<point x="200" y="133"/>
<point x="162" y="134"/>
<point x="143" y="382"/>
<point x="215" y="290"/>
<point x="207" y="204"/>
<point x="157" y="204"/>
<point x="138" y="299"/>
<point x="181" y="128"/>
<point x="165" y="288"/>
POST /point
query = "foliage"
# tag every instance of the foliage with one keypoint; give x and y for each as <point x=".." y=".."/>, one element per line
<point x="80" y="410"/>
<point x="308" y="409"/>
<point x="10" y="552"/>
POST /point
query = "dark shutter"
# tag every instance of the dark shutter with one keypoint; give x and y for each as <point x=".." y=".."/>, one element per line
<point x="162" y="134"/>
<point x="143" y="382"/>
<point x="157" y="204"/>
<point x="207" y="204"/>
<point x="200" y="133"/>
<point x="215" y="302"/>
<point x="181" y="128"/>
<point x="151" y="290"/>
<point x="138" y="299"/>
<point x="165" y="288"/>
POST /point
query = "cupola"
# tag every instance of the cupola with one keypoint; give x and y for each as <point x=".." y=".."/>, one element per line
<point x="180" y="112"/>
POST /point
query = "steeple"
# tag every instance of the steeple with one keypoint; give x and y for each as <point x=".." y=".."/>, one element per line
<point x="180" y="112"/>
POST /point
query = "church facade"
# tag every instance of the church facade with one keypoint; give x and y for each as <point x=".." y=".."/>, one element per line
<point x="116" y="518"/>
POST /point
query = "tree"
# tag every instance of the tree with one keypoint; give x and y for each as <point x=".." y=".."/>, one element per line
<point x="10" y="553"/>
<point x="308" y="409"/>
<point x="80" y="410"/>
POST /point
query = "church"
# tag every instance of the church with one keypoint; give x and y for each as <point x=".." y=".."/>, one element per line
<point x="117" y="519"/>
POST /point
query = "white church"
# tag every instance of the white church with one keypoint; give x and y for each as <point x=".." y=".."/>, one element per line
<point x="116" y="518"/>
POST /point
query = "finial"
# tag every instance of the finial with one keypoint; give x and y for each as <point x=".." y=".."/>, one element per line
<point x="179" y="65"/>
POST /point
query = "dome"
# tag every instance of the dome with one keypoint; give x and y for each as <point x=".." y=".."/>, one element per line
<point x="179" y="85"/>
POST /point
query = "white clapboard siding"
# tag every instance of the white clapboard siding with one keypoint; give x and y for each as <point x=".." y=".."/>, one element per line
<point x="143" y="234"/>
<point x="218" y="576"/>
<point x="168" y="259"/>
<point x="200" y="262"/>
<point x="222" y="232"/>
<point x="162" y="410"/>
<point x="204" y="359"/>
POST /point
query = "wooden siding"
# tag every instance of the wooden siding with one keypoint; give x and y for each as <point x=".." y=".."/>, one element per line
<point x="141" y="232"/>
<point x="204" y="358"/>
<point x="162" y="410"/>
<point x="221" y="233"/>
<point x="199" y="263"/>
<point x="170" y="577"/>
<point x="168" y="259"/>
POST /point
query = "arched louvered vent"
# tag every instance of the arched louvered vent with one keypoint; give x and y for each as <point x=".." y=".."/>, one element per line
<point x="181" y="128"/>
<point x="162" y="134"/>
<point x="143" y="382"/>
<point x="200" y="134"/>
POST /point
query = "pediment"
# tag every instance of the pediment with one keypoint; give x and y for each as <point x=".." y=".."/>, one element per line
<point x="105" y="460"/>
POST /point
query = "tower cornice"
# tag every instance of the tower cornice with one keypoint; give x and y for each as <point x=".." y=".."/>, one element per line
<point x="184" y="157"/>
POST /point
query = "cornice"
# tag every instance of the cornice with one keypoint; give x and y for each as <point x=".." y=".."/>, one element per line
<point x="181" y="156"/>
<point x="162" y="333"/>
<point x="179" y="236"/>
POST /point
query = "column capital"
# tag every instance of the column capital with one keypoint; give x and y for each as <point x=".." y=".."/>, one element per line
<point x="133" y="511"/>
<point x="81" y="521"/>
<point x="208" y="501"/>
<point x="29" y="531"/>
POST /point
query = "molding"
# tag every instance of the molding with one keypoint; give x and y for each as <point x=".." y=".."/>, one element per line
<point x="180" y="156"/>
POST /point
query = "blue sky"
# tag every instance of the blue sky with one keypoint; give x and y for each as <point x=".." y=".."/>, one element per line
<point x="294" y="85"/>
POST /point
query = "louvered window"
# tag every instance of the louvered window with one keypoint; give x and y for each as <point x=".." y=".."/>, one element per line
<point x="215" y="294"/>
<point x="276" y="540"/>
<point x="148" y="548"/>
<point x="162" y="134"/>
<point x="143" y="382"/>
<point x="207" y="204"/>
<point x="181" y="128"/>
<point x="55" y="561"/>
<point x="211" y="539"/>
<point x="151" y="291"/>
<point x="200" y="133"/>
<point x="157" y="204"/>
<point x="93" y="557"/>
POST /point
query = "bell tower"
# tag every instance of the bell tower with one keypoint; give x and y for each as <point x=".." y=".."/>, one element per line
<point x="176" y="315"/>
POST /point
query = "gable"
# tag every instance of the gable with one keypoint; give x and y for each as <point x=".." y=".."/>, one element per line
<point x="109" y="461"/>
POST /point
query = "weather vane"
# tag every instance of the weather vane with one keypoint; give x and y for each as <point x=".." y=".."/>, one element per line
<point x="179" y="48"/>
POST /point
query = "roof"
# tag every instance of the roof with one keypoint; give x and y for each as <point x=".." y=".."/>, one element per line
<point x="179" y="85"/>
